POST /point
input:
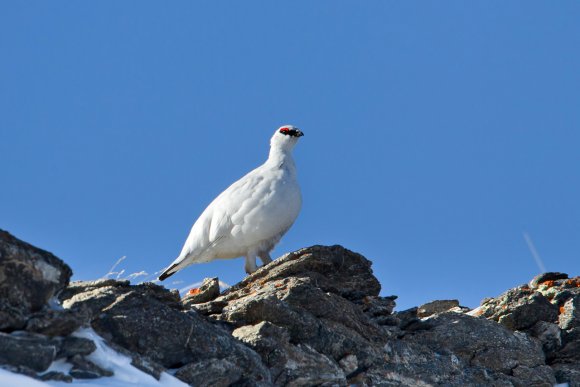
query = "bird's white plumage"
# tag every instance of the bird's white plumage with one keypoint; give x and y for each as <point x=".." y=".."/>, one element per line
<point x="250" y="216"/>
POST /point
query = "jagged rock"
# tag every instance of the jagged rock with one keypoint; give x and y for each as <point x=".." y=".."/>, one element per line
<point x="549" y="334"/>
<point x="56" y="376"/>
<point x="57" y="322"/>
<point x="214" y="372"/>
<point x="567" y="373"/>
<point x="570" y="314"/>
<point x="86" y="369"/>
<point x="519" y="308"/>
<point x="544" y="277"/>
<point x="297" y="365"/>
<point x="167" y="334"/>
<point x="71" y="346"/>
<point x="34" y="352"/>
<point x="29" y="277"/>
<point x="333" y="268"/>
<point x="209" y="290"/>
<point x="480" y="343"/>
<point x="312" y="317"/>
<point x="435" y="307"/>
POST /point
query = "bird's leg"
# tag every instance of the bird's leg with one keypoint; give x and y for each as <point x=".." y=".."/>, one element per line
<point x="250" y="265"/>
<point x="265" y="258"/>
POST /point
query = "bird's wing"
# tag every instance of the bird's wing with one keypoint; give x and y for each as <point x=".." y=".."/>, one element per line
<point x="216" y="223"/>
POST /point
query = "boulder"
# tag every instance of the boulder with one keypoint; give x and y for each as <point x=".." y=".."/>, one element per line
<point x="29" y="278"/>
<point x="149" y="320"/>
<point x="209" y="290"/>
<point x="25" y="350"/>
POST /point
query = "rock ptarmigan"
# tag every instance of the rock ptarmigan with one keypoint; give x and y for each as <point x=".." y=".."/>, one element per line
<point x="250" y="216"/>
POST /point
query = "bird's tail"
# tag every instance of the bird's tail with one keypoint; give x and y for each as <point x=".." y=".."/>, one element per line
<point x="172" y="269"/>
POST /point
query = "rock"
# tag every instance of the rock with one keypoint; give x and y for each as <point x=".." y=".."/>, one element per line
<point x="312" y="317"/>
<point x="519" y="308"/>
<point x="349" y="364"/>
<point x="376" y="307"/>
<point x="435" y="307"/>
<point x="544" y="277"/>
<point x="208" y="291"/>
<point x="484" y="344"/>
<point x="567" y="373"/>
<point x="57" y="322"/>
<point x="570" y="314"/>
<point x="167" y="334"/>
<point x="297" y="365"/>
<point x="71" y="346"/>
<point x="86" y="369"/>
<point x="29" y="277"/>
<point x="34" y="352"/>
<point x="12" y="317"/>
<point x="549" y="334"/>
<point x="214" y="372"/>
<point x="56" y="376"/>
<point x="333" y="268"/>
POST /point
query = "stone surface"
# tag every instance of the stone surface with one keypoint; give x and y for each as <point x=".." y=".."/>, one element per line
<point x="56" y="376"/>
<point x="544" y="277"/>
<point x="29" y="277"/>
<point x="57" y="322"/>
<point x="71" y="346"/>
<point x="36" y="353"/>
<point x="86" y="369"/>
<point x="208" y="291"/>
<point x="435" y="307"/>
<point x="290" y="364"/>
<point x="520" y="308"/>
<point x="312" y="317"/>
<point x="167" y="334"/>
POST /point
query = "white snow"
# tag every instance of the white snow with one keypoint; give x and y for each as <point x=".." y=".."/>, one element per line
<point x="103" y="356"/>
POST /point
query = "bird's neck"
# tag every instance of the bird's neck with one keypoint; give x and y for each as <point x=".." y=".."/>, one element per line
<point x="281" y="156"/>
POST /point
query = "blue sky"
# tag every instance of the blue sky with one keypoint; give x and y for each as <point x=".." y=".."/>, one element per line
<point x="436" y="133"/>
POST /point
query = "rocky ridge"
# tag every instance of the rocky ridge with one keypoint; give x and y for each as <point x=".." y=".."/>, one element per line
<point x="311" y="317"/>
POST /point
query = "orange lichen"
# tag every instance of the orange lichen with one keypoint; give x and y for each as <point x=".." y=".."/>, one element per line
<point x="193" y="291"/>
<point x="279" y="284"/>
<point x="575" y="282"/>
<point x="549" y="283"/>
<point x="562" y="310"/>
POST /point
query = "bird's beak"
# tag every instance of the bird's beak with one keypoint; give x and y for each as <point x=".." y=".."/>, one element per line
<point x="299" y="133"/>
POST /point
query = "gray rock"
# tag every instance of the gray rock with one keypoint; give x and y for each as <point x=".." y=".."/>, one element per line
<point x="519" y="308"/>
<point x="86" y="369"/>
<point x="483" y="344"/>
<point x="296" y="365"/>
<point x="34" y="352"/>
<point x="214" y="372"/>
<point x="208" y="291"/>
<point x="567" y="373"/>
<point x="71" y="346"/>
<point x="544" y="277"/>
<point x="550" y="335"/>
<point x="333" y="268"/>
<point x="29" y="277"/>
<point x="57" y="322"/>
<point x="435" y="307"/>
<point x="56" y="376"/>
<point x="12" y="317"/>
<point x="167" y="335"/>
<point x="570" y="314"/>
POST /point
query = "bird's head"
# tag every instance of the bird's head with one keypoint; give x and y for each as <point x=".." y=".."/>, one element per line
<point x="286" y="137"/>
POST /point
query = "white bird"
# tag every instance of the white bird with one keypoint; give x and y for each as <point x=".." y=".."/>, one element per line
<point x="250" y="216"/>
